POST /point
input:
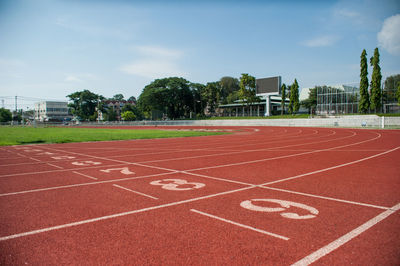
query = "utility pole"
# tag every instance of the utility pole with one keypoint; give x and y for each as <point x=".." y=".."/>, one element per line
<point x="16" y="103"/>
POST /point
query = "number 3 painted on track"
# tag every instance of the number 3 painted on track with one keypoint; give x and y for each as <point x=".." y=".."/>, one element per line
<point x="172" y="184"/>
<point x="248" y="204"/>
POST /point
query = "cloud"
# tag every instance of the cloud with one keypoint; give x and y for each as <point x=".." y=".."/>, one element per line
<point x="79" y="77"/>
<point x="151" y="68"/>
<point x="389" y="36"/>
<point x="347" y="13"/>
<point x="155" y="62"/>
<point x="322" y="41"/>
<point x="157" y="51"/>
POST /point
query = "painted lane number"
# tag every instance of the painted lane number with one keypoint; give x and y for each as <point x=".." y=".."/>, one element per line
<point x="282" y="208"/>
<point x="122" y="170"/>
<point x="176" y="184"/>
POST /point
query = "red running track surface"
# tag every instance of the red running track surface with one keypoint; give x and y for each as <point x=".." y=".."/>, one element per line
<point x="261" y="195"/>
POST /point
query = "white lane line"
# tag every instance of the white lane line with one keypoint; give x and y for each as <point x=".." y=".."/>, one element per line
<point x="327" y="198"/>
<point x="83" y="184"/>
<point x="56" y="166"/>
<point x="284" y="156"/>
<point x="137" y="192"/>
<point x="330" y="168"/>
<point x="34" y="232"/>
<point x="23" y="155"/>
<point x="240" y="225"/>
<point x="62" y="170"/>
<point x="88" y="176"/>
<point x="346" y="238"/>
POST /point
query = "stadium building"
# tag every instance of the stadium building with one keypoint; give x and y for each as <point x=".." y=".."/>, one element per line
<point x="51" y="111"/>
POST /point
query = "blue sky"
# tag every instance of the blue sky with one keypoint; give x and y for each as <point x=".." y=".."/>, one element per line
<point x="49" y="49"/>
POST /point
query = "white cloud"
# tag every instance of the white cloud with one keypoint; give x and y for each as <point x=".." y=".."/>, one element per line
<point x="155" y="62"/>
<point x="322" y="41"/>
<point x="157" y="51"/>
<point x="389" y="36"/>
<point x="151" y="68"/>
<point x="79" y="77"/>
<point x="347" y="13"/>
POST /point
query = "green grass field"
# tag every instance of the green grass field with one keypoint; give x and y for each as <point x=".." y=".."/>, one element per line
<point x="29" y="135"/>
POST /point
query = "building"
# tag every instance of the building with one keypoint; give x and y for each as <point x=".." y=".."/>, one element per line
<point x="117" y="106"/>
<point x="254" y="109"/>
<point x="51" y="111"/>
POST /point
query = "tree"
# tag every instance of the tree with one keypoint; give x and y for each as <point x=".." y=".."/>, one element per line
<point x="211" y="95"/>
<point x="363" y="104"/>
<point x="5" y="115"/>
<point x="132" y="99"/>
<point x="169" y="95"/>
<point x="229" y="85"/>
<point x="283" y="95"/>
<point x="398" y="93"/>
<point x="84" y="103"/>
<point x="128" y="116"/>
<point x="110" y="115"/>
<point x="247" y="92"/>
<point x="294" y="104"/>
<point x="311" y="102"/>
<point x="118" y="97"/>
<point x="376" y="95"/>
<point x="198" y="101"/>
<point x="132" y="108"/>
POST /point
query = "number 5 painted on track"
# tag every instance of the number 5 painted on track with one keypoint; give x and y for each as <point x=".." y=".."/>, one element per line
<point x="172" y="184"/>
<point x="248" y="204"/>
<point x="123" y="170"/>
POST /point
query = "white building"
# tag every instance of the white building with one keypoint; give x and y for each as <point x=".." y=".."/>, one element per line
<point x="51" y="111"/>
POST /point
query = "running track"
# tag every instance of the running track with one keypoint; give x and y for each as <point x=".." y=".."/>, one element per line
<point x="259" y="196"/>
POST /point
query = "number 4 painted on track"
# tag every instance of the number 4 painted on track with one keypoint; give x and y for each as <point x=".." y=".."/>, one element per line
<point x="123" y="170"/>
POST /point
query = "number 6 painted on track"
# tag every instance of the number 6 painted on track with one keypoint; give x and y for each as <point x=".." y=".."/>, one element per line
<point x="248" y="204"/>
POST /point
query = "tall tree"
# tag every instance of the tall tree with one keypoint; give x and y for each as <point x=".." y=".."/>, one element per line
<point x="311" y="102"/>
<point x="283" y="95"/>
<point x="247" y="92"/>
<point x="84" y="104"/>
<point x="363" y="104"/>
<point x="198" y="101"/>
<point x="212" y="95"/>
<point x="294" y="104"/>
<point x="376" y="95"/>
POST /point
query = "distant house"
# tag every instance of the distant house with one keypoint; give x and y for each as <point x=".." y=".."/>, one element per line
<point x="51" y="111"/>
<point x="117" y="106"/>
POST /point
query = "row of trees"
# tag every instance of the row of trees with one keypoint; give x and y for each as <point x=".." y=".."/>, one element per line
<point x="176" y="98"/>
<point x="86" y="105"/>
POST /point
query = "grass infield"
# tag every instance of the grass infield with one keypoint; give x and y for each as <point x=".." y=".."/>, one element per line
<point x="30" y="135"/>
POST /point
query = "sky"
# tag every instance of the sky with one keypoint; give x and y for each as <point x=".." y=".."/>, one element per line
<point x="52" y="48"/>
